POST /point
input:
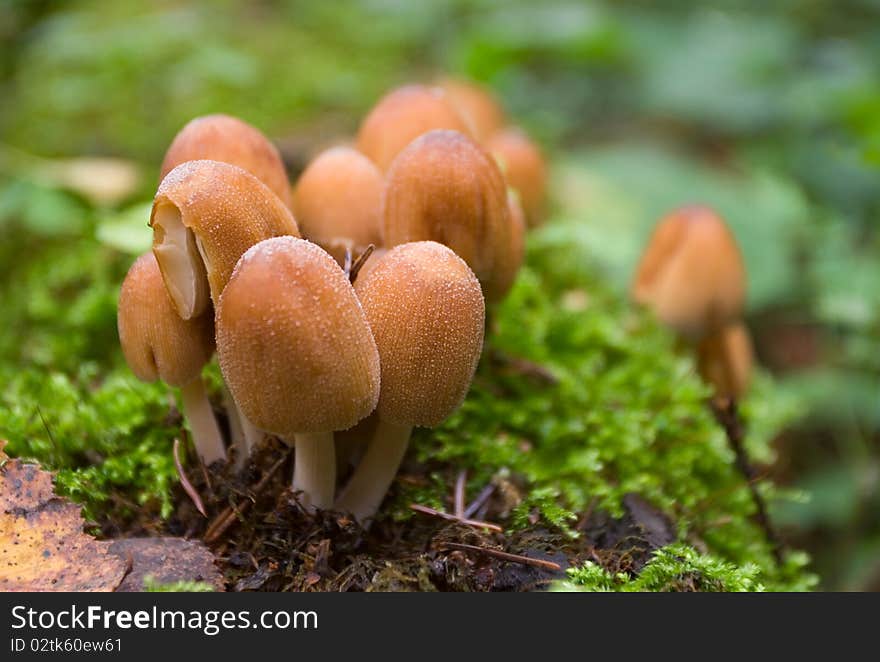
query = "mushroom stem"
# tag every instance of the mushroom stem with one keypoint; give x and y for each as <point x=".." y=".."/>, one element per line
<point x="244" y="435"/>
<point x="252" y="434"/>
<point x="368" y="485"/>
<point x="314" y="471"/>
<point x="205" y="431"/>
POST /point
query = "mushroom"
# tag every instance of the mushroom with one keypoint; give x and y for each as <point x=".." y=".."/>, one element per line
<point x="158" y="344"/>
<point x="691" y="274"/>
<point x="724" y="360"/>
<point x="297" y="353"/>
<point x="444" y="187"/>
<point x="402" y="115"/>
<point x="476" y="104"/>
<point x="338" y="202"/>
<point x="206" y="214"/>
<point x="517" y="245"/>
<point x="523" y="166"/>
<point x="230" y="140"/>
<point x="427" y="313"/>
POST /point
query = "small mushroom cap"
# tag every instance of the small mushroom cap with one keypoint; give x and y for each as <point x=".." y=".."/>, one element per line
<point x="444" y="187"/>
<point x="692" y="274"/>
<point x="293" y="341"/>
<point x="401" y="116"/>
<point x="427" y="313"/>
<point x="156" y="342"/>
<point x="339" y="198"/>
<point x="524" y="167"/>
<point x="206" y="214"/>
<point x="230" y="140"/>
<point x="476" y="104"/>
<point x="724" y="360"/>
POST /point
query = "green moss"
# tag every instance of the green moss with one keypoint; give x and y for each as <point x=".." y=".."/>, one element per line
<point x="109" y="437"/>
<point x="152" y="586"/>
<point x="676" y="567"/>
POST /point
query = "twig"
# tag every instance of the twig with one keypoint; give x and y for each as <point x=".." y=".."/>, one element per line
<point x="230" y="514"/>
<point x="727" y="415"/>
<point x="477" y="503"/>
<point x="347" y="266"/>
<point x="525" y="367"/>
<point x="205" y="474"/>
<point x="458" y="500"/>
<point x="505" y="556"/>
<point x="425" y="510"/>
<point x="184" y="481"/>
<point x="362" y="258"/>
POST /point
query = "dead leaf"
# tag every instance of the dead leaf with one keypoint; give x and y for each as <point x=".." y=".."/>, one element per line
<point x="42" y="544"/>
<point x="166" y="560"/>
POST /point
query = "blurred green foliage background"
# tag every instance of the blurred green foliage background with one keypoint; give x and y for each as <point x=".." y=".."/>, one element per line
<point x="768" y="111"/>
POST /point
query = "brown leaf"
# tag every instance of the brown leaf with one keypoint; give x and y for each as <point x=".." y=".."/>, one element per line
<point x="166" y="560"/>
<point x="42" y="544"/>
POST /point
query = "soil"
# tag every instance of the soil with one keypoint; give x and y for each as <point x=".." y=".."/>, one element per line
<point x="264" y="541"/>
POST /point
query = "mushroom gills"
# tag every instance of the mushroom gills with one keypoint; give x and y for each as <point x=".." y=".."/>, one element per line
<point x="182" y="261"/>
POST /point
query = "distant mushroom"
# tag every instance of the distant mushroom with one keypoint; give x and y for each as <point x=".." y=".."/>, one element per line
<point x="206" y="214"/>
<point x="297" y="353"/>
<point x="724" y="360"/>
<point x="476" y="104"/>
<point x="158" y="344"/>
<point x="401" y="116"/>
<point x="691" y="274"/>
<point x="523" y="165"/>
<point x="338" y="202"/>
<point x="444" y="187"/>
<point x="426" y="310"/>
<point x="230" y="140"/>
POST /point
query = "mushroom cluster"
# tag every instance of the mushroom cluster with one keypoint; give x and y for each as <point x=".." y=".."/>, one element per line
<point x="351" y="305"/>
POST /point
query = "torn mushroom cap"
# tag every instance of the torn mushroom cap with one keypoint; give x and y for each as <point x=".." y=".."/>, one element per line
<point x="230" y="140"/>
<point x="401" y="116"/>
<point x="444" y="187"/>
<point x="156" y="342"/>
<point x="206" y="214"/>
<point x="724" y="359"/>
<point x="524" y="167"/>
<point x="427" y="314"/>
<point x="476" y="104"/>
<point x="691" y="274"/>
<point x="338" y="200"/>
<point x="293" y="342"/>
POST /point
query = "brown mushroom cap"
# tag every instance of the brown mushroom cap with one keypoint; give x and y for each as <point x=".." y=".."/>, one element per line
<point x="476" y="104"/>
<point x="725" y="358"/>
<point x="156" y="342"/>
<point x="230" y="140"/>
<point x="293" y="341"/>
<point x="517" y="244"/>
<point x="692" y="274"/>
<point x="339" y="198"/>
<point x="427" y="314"/>
<point x="443" y="187"/>
<point x="206" y="214"/>
<point x="523" y="165"/>
<point x="401" y="116"/>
